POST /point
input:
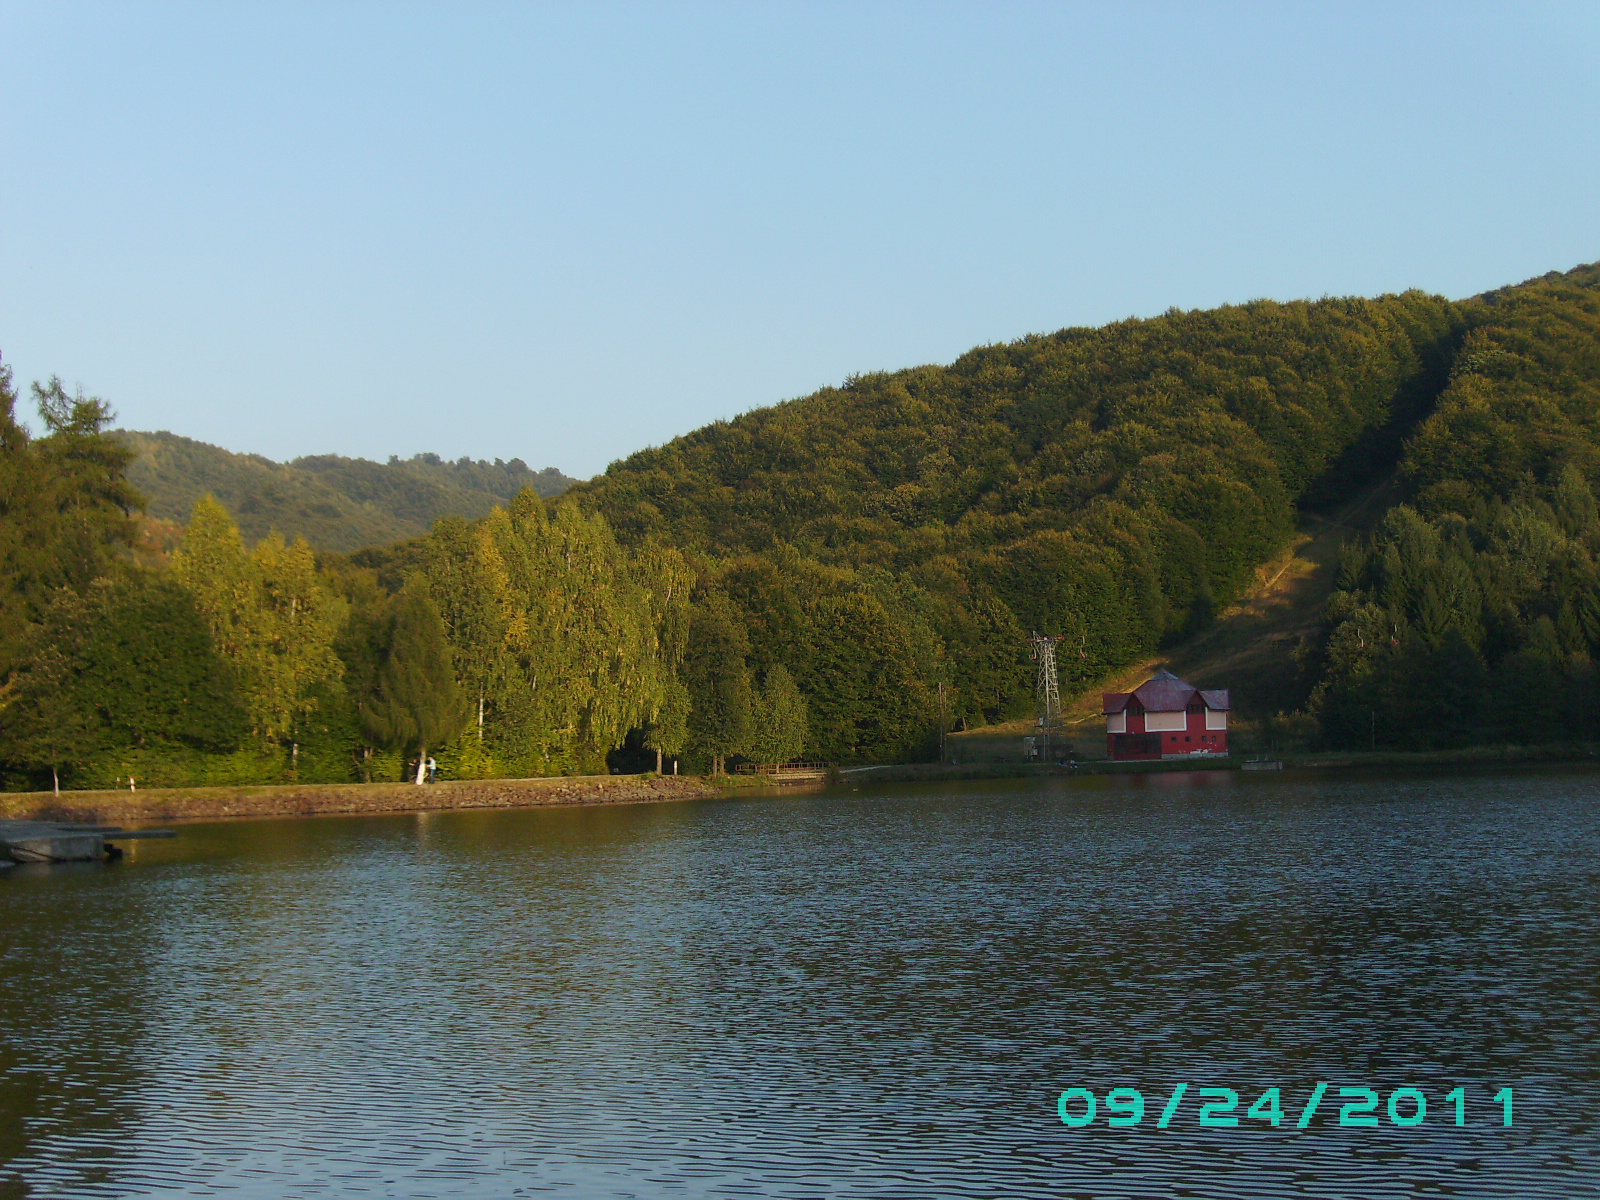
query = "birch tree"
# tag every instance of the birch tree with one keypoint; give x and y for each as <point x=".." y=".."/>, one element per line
<point x="570" y="640"/>
<point x="268" y="614"/>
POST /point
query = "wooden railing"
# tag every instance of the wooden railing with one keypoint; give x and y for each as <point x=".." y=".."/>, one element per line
<point x="786" y="771"/>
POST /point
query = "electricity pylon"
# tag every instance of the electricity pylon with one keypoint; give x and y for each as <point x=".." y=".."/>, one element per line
<point x="1048" y="688"/>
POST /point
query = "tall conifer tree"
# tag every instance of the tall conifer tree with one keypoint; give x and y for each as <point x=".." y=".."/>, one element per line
<point x="417" y="701"/>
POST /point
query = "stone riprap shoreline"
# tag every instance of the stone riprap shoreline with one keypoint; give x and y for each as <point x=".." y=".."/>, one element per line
<point x="305" y="800"/>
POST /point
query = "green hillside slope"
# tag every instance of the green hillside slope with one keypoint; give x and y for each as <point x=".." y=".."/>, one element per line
<point x="1472" y="613"/>
<point x="1330" y="619"/>
<point x="1115" y="485"/>
<point x="1122" y="486"/>
<point x="333" y="502"/>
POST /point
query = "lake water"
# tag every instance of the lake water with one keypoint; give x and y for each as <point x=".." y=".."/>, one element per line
<point x="873" y="992"/>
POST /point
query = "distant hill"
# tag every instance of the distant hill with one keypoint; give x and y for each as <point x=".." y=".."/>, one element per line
<point x="335" y="503"/>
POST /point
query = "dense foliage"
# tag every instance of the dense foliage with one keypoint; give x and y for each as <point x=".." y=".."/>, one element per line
<point x="334" y="503"/>
<point x="65" y="506"/>
<point x="226" y="663"/>
<point x="832" y="577"/>
<point x="1473" y="613"/>
<point x="1117" y="485"/>
<point x="130" y="663"/>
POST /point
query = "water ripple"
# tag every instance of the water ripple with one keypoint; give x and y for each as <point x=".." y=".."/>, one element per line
<point x="863" y="994"/>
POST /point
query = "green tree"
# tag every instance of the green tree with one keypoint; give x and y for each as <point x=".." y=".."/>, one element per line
<point x="150" y="668"/>
<point x="43" y="722"/>
<point x="1529" y="697"/>
<point x="1433" y="697"/>
<point x="781" y="726"/>
<point x="129" y="664"/>
<point x="416" y="700"/>
<point x="867" y="701"/>
<point x="988" y="652"/>
<point x="362" y="644"/>
<point x="668" y="730"/>
<point x="269" y="615"/>
<point x="20" y="558"/>
<point x="570" y="641"/>
<point x="718" y="682"/>
<point x="89" y="501"/>
<point x="466" y="579"/>
<point x="65" y="504"/>
<point x="296" y="621"/>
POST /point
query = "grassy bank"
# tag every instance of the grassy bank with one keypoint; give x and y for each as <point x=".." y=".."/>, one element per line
<point x="170" y="804"/>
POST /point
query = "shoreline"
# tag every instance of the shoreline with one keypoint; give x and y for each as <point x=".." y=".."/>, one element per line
<point x="1327" y="760"/>
<point x="117" y="807"/>
<point x="349" y="799"/>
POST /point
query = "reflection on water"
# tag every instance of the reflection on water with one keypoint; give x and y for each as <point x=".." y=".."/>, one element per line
<point x="877" y="992"/>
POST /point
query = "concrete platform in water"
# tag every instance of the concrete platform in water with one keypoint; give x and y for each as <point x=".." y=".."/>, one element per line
<point x="61" y="841"/>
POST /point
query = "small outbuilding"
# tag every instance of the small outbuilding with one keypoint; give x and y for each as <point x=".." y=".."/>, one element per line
<point x="1164" y="717"/>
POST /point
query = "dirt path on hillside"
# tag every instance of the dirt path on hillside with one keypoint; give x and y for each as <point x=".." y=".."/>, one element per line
<point x="1251" y="648"/>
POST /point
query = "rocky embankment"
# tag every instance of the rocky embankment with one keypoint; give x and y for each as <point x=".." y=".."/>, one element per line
<point x="176" y="804"/>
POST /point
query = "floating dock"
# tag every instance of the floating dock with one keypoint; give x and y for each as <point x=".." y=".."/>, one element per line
<point x="58" y="841"/>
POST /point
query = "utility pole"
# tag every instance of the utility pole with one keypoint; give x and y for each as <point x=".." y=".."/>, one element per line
<point x="1048" y="689"/>
<point x="941" y="723"/>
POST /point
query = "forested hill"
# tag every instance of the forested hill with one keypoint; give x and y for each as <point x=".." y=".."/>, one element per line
<point x="1472" y="613"/>
<point x="1115" y="485"/>
<point x="335" y="503"/>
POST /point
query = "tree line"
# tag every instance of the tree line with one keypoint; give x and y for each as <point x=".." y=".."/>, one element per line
<point x="527" y="642"/>
<point x="835" y="577"/>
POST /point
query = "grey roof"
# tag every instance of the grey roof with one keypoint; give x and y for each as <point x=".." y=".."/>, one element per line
<point x="1164" y="692"/>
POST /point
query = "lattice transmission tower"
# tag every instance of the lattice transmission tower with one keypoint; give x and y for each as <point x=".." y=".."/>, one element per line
<point x="1049" y="691"/>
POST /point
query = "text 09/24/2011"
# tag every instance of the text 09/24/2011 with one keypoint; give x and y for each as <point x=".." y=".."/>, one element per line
<point x="1359" y="1107"/>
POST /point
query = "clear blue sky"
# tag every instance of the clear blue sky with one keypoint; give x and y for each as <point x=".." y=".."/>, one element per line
<point x="565" y="232"/>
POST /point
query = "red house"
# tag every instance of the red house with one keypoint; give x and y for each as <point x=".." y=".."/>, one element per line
<point x="1164" y="717"/>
